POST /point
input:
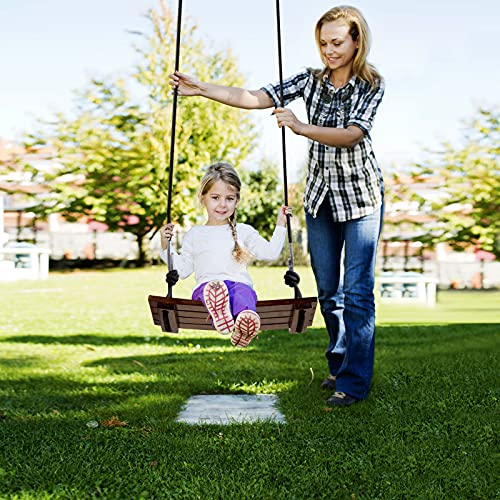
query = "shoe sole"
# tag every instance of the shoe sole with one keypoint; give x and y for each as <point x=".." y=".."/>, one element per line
<point x="246" y="328"/>
<point x="216" y="297"/>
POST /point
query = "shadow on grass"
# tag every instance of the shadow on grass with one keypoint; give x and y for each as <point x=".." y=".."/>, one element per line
<point x="425" y="431"/>
<point x="386" y="335"/>
<point x="198" y="365"/>
<point x="115" y="340"/>
<point x="21" y="361"/>
<point x="277" y="362"/>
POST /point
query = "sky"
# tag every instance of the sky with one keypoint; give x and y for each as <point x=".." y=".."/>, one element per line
<point x="439" y="59"/>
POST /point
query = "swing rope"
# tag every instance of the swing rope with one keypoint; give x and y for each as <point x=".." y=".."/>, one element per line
<point x="171" y="314"/>
<point x="283" y="149"/>
<point x="172" y="146"/>
<point x="172" y="141"/>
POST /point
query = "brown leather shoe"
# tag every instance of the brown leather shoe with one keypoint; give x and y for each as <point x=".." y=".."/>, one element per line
<point x="329" y="384"/>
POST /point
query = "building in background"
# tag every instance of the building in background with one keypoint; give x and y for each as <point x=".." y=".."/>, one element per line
<point x="400" y="249"/>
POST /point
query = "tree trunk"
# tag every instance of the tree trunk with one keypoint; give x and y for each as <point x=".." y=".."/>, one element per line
<point x="141" y="257"/>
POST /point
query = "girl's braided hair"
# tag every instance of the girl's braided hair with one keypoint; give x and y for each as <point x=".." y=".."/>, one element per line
<point x="226" y="173"/>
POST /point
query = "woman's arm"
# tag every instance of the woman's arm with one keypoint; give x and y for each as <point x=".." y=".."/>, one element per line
<point x="334" y="137"/>
<point x="359" y="124"/>
<point x="329" y="136"/>
<point x="232" y="96"/>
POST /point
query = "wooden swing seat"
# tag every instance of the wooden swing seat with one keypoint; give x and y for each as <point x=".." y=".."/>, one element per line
<point x="294" y="315"/>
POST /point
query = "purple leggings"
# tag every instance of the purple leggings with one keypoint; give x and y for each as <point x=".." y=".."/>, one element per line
<point x="241" y="297"/>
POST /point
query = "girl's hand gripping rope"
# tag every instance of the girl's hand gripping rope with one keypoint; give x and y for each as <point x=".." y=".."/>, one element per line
<point x="166" y="233"/>
<point x="282" y="213"/>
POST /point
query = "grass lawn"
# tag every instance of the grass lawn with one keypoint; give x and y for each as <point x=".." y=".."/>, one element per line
<point x="81" y="348"/>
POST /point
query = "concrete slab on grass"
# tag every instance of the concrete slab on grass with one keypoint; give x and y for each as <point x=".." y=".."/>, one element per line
<point x="230" y="409"/>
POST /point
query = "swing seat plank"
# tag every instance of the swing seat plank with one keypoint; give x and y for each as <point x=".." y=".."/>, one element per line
<point x="294" y="315"/>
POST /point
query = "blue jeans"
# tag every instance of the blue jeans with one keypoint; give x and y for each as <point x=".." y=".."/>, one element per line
<point x="347" y="302"/>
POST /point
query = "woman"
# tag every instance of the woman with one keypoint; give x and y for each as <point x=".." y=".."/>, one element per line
<point x="343" y="197"/>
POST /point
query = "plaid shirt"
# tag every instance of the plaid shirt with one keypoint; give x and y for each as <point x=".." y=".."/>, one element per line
<point x="349" y="176"/>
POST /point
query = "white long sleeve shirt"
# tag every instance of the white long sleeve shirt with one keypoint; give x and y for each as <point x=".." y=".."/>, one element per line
<point x="206" y="251"/>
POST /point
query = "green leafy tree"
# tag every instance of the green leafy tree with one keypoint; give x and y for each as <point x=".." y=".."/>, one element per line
<point x="111" y="155"/>
<point x="296" y="196"/>
<point x="261" y="197"/>
<point x="467" y="211"/>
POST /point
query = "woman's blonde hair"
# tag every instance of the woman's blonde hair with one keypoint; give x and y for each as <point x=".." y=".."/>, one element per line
<point x="226" y="173"/>
<point x="360" y="32"/>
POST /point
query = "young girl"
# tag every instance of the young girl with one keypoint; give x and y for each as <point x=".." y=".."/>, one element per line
<point x="218" y="253"/>
<point x="343" y="195"/>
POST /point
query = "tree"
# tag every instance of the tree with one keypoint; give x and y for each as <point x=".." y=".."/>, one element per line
<point x="111" y="155"/>
<point x="467" y="210"/>
<point x="261" y="196"/>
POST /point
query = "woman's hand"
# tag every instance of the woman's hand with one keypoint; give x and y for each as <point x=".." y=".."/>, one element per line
<point x="186" y="85"/>
<point x="166" y="233"/>
<point x="287" y="118"/>
<point x="282" y="213"/>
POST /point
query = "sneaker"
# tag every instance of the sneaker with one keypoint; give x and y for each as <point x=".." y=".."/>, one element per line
<point x="247" y="327"/>
<point x="329" y="383"/>
<point x="341" y="399"/>
<point x="216" y="298"/>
